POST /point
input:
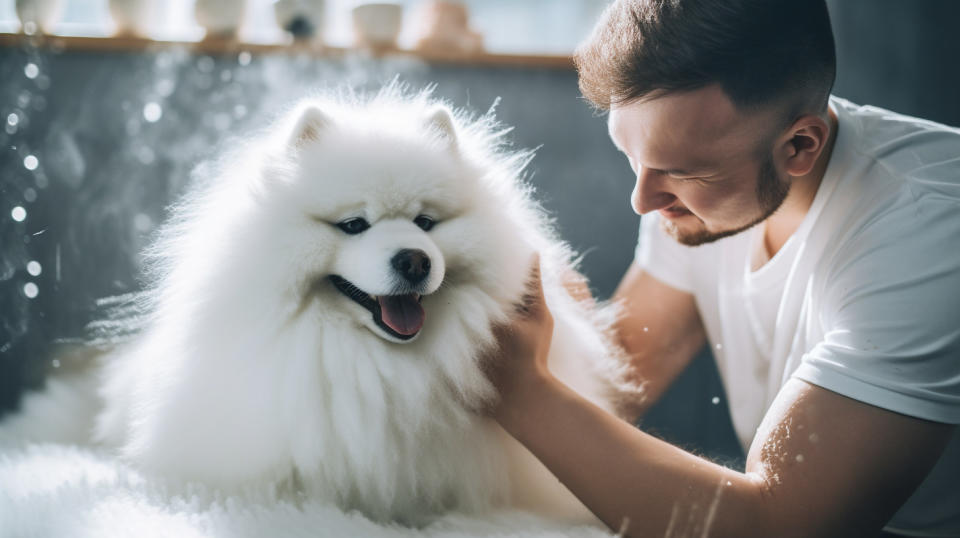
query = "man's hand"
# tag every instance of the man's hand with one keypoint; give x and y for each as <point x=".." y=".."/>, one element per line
<point x="520" y="359"/>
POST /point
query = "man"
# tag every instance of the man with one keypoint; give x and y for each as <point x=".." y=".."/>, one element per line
<point x="813" y="242"/>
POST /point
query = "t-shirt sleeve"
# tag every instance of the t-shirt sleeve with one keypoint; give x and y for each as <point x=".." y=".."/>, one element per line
<point x="891" y="318"/>
<point x="662" y="256"/>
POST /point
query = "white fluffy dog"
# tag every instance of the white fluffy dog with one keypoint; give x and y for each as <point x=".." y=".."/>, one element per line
<point x="321" y="308"/>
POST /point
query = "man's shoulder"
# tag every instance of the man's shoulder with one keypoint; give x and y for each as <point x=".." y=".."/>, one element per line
<point x="891" y="167"/>
<point x="899" y="143"/>
<point x="896" y="194"/>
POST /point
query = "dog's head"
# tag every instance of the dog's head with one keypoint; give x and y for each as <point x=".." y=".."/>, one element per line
<point x="393" y="213"/>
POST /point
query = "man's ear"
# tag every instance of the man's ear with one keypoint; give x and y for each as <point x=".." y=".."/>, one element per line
<point x="309" y="127"/>
<point x="441" y="121"/>
<point x="802" y="144"/>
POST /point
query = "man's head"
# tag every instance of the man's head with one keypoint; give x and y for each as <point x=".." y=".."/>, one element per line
<point x="718" y="105"/>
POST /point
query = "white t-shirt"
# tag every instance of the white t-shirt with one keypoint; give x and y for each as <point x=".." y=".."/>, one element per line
<point x="863" y="299"/>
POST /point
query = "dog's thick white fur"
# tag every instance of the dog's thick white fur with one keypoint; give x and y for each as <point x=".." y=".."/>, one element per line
<point x="255" y="365"/>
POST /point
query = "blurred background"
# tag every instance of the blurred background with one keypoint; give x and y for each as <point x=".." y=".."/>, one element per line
<point x="530" y="26"/>
<point x="106" y="107"/>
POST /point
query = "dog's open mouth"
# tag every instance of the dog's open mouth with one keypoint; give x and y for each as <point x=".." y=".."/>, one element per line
<point x="401" y="316"/>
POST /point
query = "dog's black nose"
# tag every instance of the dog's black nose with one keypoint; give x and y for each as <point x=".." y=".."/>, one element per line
<point x="413" y="265"/>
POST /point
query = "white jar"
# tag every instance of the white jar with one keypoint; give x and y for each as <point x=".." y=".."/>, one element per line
<point x="221" y="19"/>
<point x="132" y="17"/>
<point x="38" y="15"/>
<point x="377" y="24"/>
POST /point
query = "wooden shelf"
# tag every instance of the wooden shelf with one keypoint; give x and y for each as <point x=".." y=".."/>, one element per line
<point x="134" y="44"/>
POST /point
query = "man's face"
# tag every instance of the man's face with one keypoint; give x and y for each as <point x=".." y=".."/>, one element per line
<point x="707" y="168"/>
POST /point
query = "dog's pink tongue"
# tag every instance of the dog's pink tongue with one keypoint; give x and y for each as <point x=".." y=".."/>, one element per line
<point x="402" y="313"/>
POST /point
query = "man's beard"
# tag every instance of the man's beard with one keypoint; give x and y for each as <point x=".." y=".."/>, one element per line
<point x="771" y="192"/>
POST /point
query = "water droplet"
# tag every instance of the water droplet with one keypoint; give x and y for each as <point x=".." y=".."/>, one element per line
<point x="244" y="58"/>
<point x="31" y="70"/>
<point x="729" y="483"/>
<point x="10" y="129"/>
<point x="55" y="363"/>
<point x="30" y="195"/>
<point x="165" y="87"/>
<point x="715" y="400"/>
<point x="30" y="162"/>
<point x="18" y="213"/>
<point x="145" y="155"/>
<point x="221" y="122"/>
<point x="13" y="119"/>
<point x="814" y="438"/>
<point x="23" y="99"/>
<point x="164" y="59"/>
<point x="142" y="222"/>
<point x="646" y="329"/>
<point x="133" y="126"/>
<point x="34" y="268"/>
<point x="799" y="458"/>
<point x="205" y="64"/>
<point x="152" y="112"/>
<point x="204" y="82"/>
<point x="30" y="290"/>
<point x="29" y="27"/>
<point x="719" y="347"/>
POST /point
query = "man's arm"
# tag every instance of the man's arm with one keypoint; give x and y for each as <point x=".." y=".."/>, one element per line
<point x="659" y="328"/>
<point x="821" y="465"/>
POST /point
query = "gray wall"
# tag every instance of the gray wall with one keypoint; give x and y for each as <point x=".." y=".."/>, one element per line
<point x="900" y="54"/>
<point x="106" y="175"/>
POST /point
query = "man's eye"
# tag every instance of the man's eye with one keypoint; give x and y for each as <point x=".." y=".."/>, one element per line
<point x="424" y="222"/>
<point x="353" y="226"/>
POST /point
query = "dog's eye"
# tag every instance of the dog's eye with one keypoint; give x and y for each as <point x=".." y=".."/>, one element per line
<point x="353" y="226"/>
<point x="424" y="222"/>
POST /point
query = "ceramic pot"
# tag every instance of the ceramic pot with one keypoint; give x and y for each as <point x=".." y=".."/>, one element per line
<point x="445" y="29"/>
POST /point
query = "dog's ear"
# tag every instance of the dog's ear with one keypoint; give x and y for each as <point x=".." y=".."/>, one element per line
<point x="309" y="126"/>
<point x="441" y="120"/>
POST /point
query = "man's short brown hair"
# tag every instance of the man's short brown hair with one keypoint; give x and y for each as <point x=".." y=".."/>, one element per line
<point x="758" y="51"/>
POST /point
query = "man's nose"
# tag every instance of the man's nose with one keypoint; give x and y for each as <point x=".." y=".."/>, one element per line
<point x="649" y="192"/>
